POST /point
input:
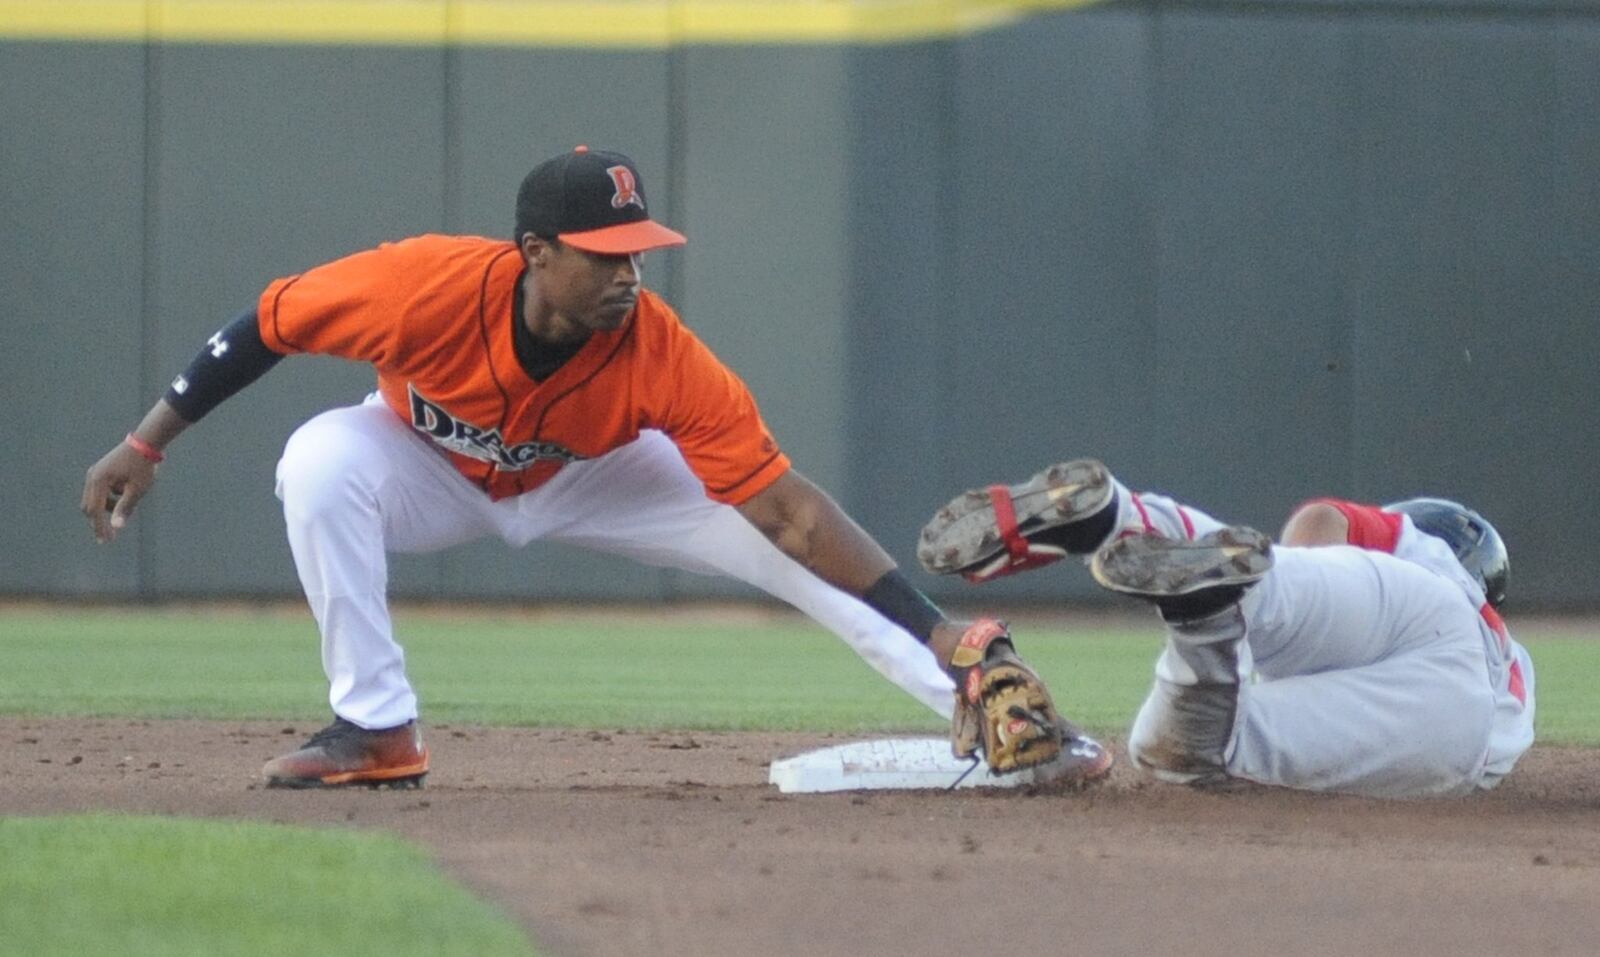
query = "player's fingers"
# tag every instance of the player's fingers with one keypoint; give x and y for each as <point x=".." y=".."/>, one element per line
<point x="96" y="493"/>
<point x="125" y="503"/>
<point x="86" y="503"/>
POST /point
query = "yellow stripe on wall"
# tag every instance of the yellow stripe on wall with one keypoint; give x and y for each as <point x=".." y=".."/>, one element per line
<point x="637" y="24"/>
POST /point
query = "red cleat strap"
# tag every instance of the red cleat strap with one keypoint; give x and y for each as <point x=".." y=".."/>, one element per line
<point x="1005" y="520"/>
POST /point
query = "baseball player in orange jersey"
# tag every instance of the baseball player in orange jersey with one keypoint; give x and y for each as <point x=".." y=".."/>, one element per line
<point x="535" y="390"/>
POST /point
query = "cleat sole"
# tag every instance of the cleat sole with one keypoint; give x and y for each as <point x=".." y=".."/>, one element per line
<point x="965" y="533"/>
<point x="411" y="782"/>
<point x="1150" y="566"/>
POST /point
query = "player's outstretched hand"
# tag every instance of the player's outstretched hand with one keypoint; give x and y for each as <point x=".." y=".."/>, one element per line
<point x="113" y="487"/>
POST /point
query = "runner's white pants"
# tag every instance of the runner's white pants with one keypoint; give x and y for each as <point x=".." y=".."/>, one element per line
<point x="357" y="483"/>
<point x="1354" y="671"/>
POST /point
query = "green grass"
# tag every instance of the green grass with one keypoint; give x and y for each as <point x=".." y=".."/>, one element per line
<point x="773" y="673"/>
<point x="1567" y="692"/>
<point x="133" y="886"/>
<point x="782" y="673"/>
<point x="476" y="668"/>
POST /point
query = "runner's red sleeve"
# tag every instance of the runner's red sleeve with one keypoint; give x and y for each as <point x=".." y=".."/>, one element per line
<point x="1370" y="526"/>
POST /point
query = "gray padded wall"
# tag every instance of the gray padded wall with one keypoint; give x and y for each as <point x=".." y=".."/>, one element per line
<point x="1245" y="253"/>
<point x="265" y="167"/>
<point x="72" y="243"/>
<point x="763" y="181"/>
<point x="1478" y="265"/>
<point x="899" y="364"/>
<point x="1249" y="255"/>
<point x="1248" y="364"/>
<point x="1048" y="274"/>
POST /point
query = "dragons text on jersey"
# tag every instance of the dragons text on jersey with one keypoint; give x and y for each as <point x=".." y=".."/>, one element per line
<point x="475" y="442"/>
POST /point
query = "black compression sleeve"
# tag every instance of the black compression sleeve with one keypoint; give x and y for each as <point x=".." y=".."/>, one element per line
<point x="229" y="361"/>
<point x="896" y="599"/>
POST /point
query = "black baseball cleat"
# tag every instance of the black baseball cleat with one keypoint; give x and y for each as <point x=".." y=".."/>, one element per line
<point x="1186" y="580"/>
<point x="986" y="533"/>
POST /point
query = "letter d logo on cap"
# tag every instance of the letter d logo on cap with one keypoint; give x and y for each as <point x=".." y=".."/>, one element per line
<point x="627" y="193"/>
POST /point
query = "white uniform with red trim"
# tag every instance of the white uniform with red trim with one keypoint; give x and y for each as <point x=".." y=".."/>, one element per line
<point x="1373" y="668"/>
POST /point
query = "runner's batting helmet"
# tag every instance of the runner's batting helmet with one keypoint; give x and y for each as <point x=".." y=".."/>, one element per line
<point x="1477" y="545"/>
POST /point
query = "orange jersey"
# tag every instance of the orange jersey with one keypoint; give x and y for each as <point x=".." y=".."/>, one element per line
<point x="434" y="316"/>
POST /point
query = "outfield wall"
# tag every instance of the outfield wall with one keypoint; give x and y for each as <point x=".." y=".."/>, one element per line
<point x="1246" y="253"/>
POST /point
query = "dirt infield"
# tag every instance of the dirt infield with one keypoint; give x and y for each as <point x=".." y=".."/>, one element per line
<point x="604" y="842"/>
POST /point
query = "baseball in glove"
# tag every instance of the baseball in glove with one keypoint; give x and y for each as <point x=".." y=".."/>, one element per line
<point x="1002" y="706"/>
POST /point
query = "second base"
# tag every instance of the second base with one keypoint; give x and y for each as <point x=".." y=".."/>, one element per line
<point x="886" y="764"/>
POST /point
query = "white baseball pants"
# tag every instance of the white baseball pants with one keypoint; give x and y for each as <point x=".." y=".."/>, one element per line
<point x="1341" y="670"/>
<point x="357" y="483"/>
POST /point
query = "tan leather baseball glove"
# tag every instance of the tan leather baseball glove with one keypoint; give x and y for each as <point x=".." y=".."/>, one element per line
<point x="1002" y="705"/>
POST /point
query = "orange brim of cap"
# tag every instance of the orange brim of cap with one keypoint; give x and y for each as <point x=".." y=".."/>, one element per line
<point x="625" y="238"/>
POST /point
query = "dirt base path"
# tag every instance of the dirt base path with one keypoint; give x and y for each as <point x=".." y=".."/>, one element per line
<point x="604" y="842"/>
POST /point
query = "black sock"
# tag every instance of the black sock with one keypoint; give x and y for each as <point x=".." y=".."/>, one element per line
<point x="1202" y="604"/>
<point x="1083" y="536"/>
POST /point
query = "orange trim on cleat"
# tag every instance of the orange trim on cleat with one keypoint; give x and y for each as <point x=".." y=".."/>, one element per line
<point x="344" y="754"/>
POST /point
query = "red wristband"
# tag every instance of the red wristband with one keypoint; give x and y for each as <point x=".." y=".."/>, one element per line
<point x="144" y="448"/>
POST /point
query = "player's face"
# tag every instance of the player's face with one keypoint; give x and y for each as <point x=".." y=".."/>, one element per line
<point x="593" y="290"/>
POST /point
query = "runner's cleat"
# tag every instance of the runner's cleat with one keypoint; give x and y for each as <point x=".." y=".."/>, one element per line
<point x="1186" y="579"/>
<point x="983" y="534"/>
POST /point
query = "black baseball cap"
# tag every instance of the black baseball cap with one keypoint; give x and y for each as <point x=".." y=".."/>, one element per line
<point x="592" y="200"/>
